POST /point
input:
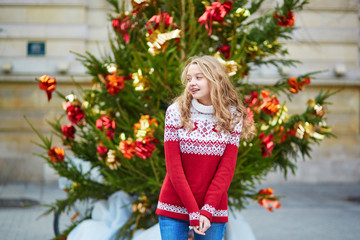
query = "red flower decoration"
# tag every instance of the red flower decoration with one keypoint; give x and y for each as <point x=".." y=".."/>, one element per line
<point x="47" y="84"/>
<point x="105" y="122"/>
<point x="56" y="154"/>
<point x="127" y="147"/>
<point x="68" y="132"/>
<point x="110" y="134"/>
<point x="74" y="113"/>
<point x="101" y="149"/>
<point x="215" y="12"/>
<point x="145" y="148"/>
<point x="270" y="102"/>
<point x="284" y="135"/>
<point x="158" y="21"/>
<point x="285" y="21"/>
<point x="267" y="145"/>
<point x="122" y="26"/>
<point x="250" y="115"/>
<point x="266" y="199"/>
<point x="115" y="83"/>
<point x="297" y="85"/>
<point x="252" y="99"/>
<point x="225" y="50"/>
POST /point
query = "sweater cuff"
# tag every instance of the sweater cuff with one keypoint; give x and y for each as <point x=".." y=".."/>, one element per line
<point x="194" y="218"/>
<point x="208" y="211"/>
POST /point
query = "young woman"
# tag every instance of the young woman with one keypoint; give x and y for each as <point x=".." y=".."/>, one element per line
<point x="202" y="133"/>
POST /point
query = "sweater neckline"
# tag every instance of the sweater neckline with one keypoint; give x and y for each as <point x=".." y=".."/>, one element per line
<point x="202" y="108"/>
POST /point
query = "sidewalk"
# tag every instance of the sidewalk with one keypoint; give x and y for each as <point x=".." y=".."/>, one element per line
<point x="309" y="211"/>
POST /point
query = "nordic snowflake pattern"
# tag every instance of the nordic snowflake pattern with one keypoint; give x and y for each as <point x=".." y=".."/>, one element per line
<point x="192" y="216"/>
<point x="203" y="139"/>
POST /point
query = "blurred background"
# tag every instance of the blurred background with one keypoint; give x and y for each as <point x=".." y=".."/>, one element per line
<point x="37" y="37"/>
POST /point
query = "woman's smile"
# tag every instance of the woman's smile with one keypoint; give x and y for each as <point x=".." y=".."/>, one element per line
<point x="198" y="85"/>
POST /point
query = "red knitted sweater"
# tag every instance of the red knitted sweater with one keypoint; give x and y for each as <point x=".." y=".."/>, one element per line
<point x="200" y="165"/>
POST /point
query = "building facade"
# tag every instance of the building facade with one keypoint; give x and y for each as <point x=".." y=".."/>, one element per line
<point x="37" y="37"/>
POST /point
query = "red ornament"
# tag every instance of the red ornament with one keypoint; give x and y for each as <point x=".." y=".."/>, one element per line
<point x="285" y="21"/>
<point x="115" y="83"/>
<point x="127" y="147"/>
<point x="110" y="134"/>
<point x="225" y="50"/>
<point x="162" y="19"/>
<point x="215" y="12"/>
<point x="68" y="132"/>
<point x="101" y="149"/>
<point x="74" y="113"/>
<point x="47" y="84"/>
<point x="105" y="122"/>
<point x="285" y="135"/>
<point x="122" y="26"/>
<point x="297" y="85"/>
<point x="270" y="102"/>
<point x="267" y="145"/>
<point x="56" y="154"/>
<point x="252" y="99"/>
<point x="144" y="148"/>
<point x="250" y="115"/>
<point x="266" y="199"/>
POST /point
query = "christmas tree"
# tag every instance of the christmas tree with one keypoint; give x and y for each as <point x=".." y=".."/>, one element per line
<point x="118" y="125"/>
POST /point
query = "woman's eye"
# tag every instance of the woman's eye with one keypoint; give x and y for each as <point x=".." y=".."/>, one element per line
<point x="198" y="77"/>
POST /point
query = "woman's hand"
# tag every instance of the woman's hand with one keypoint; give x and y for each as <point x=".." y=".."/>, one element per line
<point x="204" y="225"/>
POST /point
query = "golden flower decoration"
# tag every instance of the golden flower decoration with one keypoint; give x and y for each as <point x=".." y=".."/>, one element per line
<point x="158" y="42"/>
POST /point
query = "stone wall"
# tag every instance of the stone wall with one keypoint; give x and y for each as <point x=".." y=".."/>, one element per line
<point x="327" y="39"/>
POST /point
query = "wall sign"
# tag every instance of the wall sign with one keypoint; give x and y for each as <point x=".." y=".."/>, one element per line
<point x="36" y="49"/>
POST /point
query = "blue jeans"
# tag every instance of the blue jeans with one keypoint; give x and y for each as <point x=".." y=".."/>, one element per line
<point x="175" y="229"/>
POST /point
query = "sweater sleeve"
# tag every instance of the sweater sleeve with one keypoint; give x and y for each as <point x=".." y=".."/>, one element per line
<point x="224" y="174"/>
<point x="174" y="166"/>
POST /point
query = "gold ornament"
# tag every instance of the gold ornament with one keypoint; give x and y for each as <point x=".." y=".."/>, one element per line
<point x="280" y="117"/>
<point x="111" y="160"/>
<point x="254" y="50"/>
<point x="242" y="12"/>
<point x="157" y="41"/>
<point x="141" y="83"/>
<point x="319" y="111"/>
<point x="231" y="66"/>
<point x="307" y="130"/>
<point x="139" y="5"/>
<point x="111" y="67"/>
<point x="143" y="128"/>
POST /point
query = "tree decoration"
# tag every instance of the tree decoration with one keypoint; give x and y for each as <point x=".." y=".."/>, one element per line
<point x="287" y="20"/>
<point x="297" y="85"/>
<point x="231" y="67"/>
<point x="139" y="5"/>
<point x="68" y="132"/>
<point x="161" y="21"/>
<point x="141" y="82"/>
<point x="47" y="84"/>
<point x="112" y="161"/>
<point x="266" y="199"/>
<point x="215" y="12"/>
<point x="118" y="125"/>
<point x="115" y="83"/>
<point x="56" y="154"/>
<point x="127" y="147"/>
<point x="158" y="42"/>
<point x="122" y="24"/>
<point x="267" y="145"/>
<point x="74" y="112"/>
<point x="101" y="149"/>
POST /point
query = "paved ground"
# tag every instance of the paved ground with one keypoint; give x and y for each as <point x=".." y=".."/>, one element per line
<point x="309" y="211"/>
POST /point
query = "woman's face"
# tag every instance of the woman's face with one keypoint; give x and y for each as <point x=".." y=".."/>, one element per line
<point x="198" y="85"/>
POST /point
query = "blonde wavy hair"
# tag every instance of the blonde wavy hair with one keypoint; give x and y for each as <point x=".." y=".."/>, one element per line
<point x="222" y="94"/>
